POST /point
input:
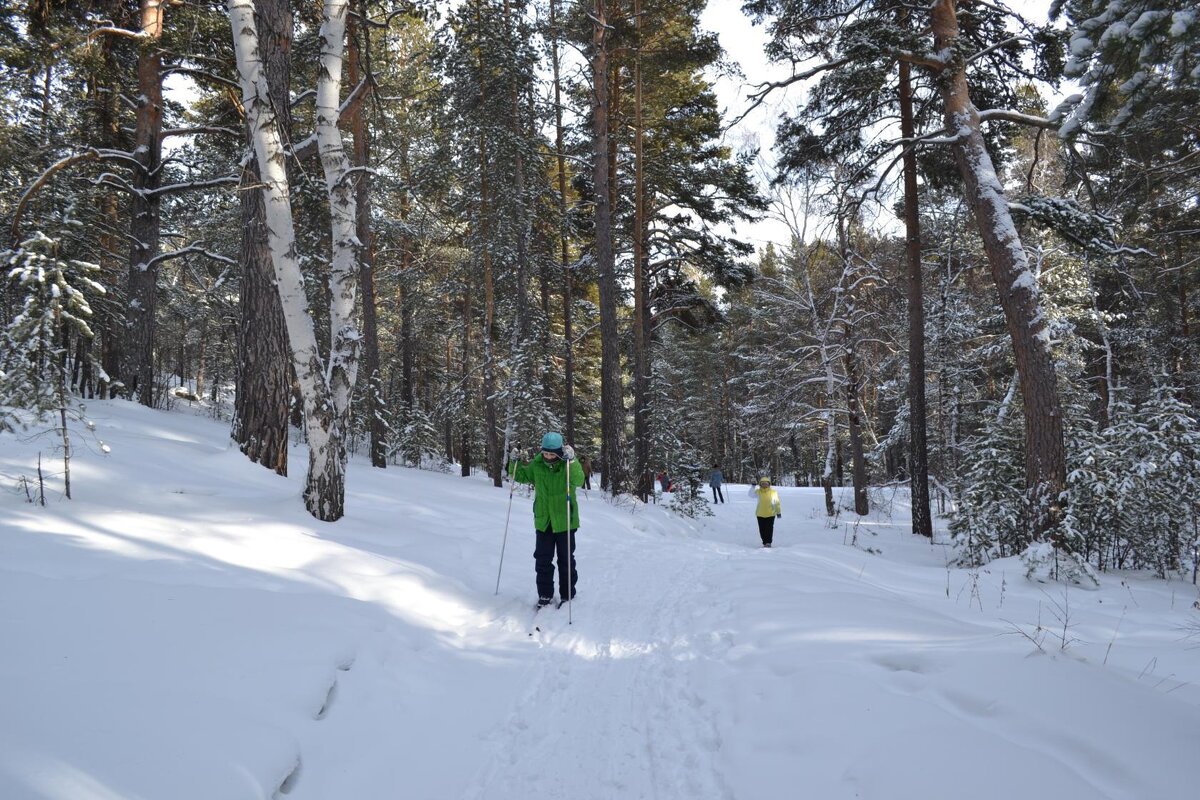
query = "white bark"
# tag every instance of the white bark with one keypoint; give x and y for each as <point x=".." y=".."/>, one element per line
<point x="343" y="277"/>
<point x="324" y="415"/>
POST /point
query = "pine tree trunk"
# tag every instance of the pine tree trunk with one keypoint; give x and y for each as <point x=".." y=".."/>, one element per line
<point x="853" y="399"/>
<point x="407" y="389"/>
<point x="564" y="251"/>
<point x="467" y="303"/>
<point x="145" y="220"/>
<point x="918" y="450"/>
<point x="612" y="409"/>
<point x="112" y="264"/>
<point x="491" y="441"/>
<point x="366" y="240"/>
<point x="260" y="419"/>
<point x="854" y="417"/>
<point x="1045" y="458"/>
<point x="641" y="290"/>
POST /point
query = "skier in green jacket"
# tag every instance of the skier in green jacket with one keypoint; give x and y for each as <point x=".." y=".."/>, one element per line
<point x="547" y="472"/>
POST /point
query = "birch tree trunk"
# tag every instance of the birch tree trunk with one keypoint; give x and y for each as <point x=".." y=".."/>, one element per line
<point x="260" y="419"/>
<point x="142" y="292"/>
<point x="612" y="408"/>
<point x="325" y="391"/>
<point x="1045" y="458"/>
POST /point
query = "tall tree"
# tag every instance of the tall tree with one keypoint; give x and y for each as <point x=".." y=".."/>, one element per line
<point x="325" y="383"/>
<point x="264" y="387"/>
<point x="918" y="451"/>
<point x="145" y="218"/>
<point x="568" y="299"/>
<point x="359" y="74"/>
<point x="612" y="406"/>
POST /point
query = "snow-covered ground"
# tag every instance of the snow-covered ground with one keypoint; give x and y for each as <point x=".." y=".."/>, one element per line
<point x="182" y="630"/>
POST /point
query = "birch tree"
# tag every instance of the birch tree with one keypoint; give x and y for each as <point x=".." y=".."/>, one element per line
<point x="325" y="383"/>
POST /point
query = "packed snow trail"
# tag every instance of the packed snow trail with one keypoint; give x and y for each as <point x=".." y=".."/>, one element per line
<point x="184" y="631"/>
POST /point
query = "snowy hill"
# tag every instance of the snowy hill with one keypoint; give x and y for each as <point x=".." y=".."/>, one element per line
<point x="182" y="630"/>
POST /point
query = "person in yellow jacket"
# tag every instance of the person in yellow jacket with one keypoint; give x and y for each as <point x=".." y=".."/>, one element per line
<point x="768" y="509"/>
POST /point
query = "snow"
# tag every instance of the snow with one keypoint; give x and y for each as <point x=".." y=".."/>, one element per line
<point x="1181" y="21"/>
<point x="184" y="630"/>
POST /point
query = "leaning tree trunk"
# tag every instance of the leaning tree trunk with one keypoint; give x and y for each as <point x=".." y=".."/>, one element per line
<point x="260" y="419"/>
<point x="1045" y="458"/>
<point x="142" y="293"/>
<point x="612" y="409"/>
<point x="918" y="450"/>
<point x="326" y="399"/>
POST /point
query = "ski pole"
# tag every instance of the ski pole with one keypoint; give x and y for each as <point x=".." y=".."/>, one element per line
<point x="570" y="548"/>
<point x="512" y="486"/>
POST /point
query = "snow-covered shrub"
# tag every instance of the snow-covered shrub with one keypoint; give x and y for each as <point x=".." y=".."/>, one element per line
<point x="51" y="294"/>
<point x="1130" y="501"/>
<point x="414" y="438"/>
<point x="688" y="501"/>
<point x="991" y="520"/>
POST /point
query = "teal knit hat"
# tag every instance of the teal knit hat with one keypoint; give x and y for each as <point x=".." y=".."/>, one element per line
<point x="553" y="442"/>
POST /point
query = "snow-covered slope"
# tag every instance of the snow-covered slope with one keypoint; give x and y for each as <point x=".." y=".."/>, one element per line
<point x="182" y="630"/>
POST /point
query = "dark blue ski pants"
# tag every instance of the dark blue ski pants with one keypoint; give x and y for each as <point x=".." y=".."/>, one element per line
<point x="549" y="544"/>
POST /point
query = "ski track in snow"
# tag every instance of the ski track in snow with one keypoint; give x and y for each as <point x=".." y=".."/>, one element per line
<point x="610" y="689"/>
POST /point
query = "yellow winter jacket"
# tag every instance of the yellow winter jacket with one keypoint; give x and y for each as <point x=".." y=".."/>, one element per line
<point x="768" y="501"/>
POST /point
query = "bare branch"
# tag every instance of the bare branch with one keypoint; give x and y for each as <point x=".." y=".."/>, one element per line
<point x="115" y="31"/>
<point x="201" y="74"/>
<point x="215" y="130"/>
<point x="192" y="248"/>
<point x="1006" y="115"/>
<point x="759" y="95"/>
<point x="15" y="231"/>
<point x="176" y="188"/>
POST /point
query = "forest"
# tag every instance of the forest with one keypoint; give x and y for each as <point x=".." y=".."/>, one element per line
<point x="424" y="233"/>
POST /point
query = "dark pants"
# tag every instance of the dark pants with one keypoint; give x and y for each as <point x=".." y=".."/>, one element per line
<point x="766" y="529"/>
<point x="718" y="495"/>
<point x="549" y="543"/>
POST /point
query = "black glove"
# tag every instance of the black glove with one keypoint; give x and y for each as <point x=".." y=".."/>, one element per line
<point x="779" y="516"/>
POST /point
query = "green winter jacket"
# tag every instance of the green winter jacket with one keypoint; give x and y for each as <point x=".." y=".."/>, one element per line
<point x="550" y="491"/>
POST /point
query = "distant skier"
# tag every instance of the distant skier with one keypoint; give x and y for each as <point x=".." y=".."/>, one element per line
<point x="586" y="464"/>
<point x="555" y="531"/>
<point x="664" y="481"/>
<point x="768" y="509"/>
<point x="715" y="479"/>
